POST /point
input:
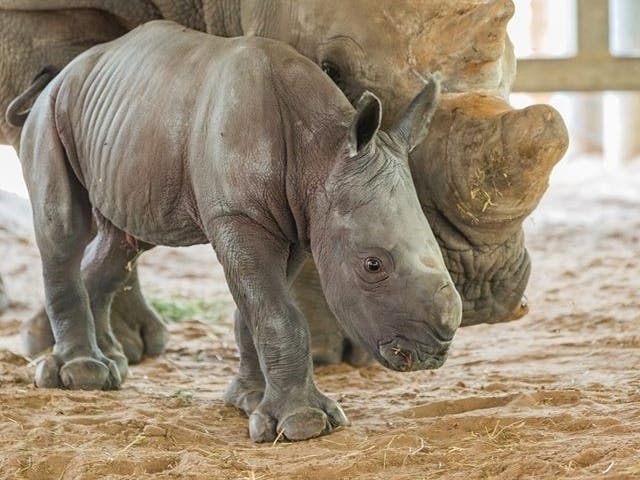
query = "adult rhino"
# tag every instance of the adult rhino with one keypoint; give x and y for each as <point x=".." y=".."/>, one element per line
<point x="480" y="172"/>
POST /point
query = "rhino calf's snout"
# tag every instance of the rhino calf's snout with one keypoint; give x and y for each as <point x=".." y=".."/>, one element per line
<point x="426" y="344"/>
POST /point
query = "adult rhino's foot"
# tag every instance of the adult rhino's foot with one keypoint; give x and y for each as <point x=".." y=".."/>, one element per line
<point x="84" y="371"/>
<point x="36" y="334"/>
<point x="4" y="300"/>
<point x="137" y="327"/>
<point x="244" y="394"/>
<point x="338" y="350"/>
<point x="296" y="416"/>
<point x="355" y="355"/>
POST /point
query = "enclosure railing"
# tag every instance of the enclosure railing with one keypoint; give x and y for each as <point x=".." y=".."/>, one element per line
<point x="593" y="68"/>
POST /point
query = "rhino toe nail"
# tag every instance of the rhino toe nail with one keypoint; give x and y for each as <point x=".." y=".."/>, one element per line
<point x="305" y="423"/>
<point x="86" y="373"/>
<point x="47" y="373"/>
<point x="337" y="416"/>
<point x="262" y="428"/>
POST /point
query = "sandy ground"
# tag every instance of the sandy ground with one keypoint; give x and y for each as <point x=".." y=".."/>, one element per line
<point x="554" y="395"/>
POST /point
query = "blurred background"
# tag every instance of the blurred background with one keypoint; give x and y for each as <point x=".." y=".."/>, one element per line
<point x="580" y="53"/>
<point x="577" y="55"/>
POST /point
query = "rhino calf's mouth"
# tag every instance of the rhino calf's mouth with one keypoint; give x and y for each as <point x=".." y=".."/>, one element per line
<point x="404" y="355"/>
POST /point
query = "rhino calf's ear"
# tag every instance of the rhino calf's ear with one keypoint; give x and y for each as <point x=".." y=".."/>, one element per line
<point x="365" y="123"/>
<point x="413" y="125"/>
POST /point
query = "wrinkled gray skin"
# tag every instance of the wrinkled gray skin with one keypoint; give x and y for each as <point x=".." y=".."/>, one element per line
<point x="149" y="135"/>
<point x="381" y="51"/>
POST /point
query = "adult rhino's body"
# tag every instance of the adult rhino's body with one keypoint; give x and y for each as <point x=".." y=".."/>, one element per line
<point x="483" y="169"/>
<point x="173" y="137"/>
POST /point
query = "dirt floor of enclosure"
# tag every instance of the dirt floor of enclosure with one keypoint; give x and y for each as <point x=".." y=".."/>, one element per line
<point x="554" y="395"/>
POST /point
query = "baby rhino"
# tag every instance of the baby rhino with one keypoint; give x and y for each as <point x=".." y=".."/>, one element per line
<point x="172" y="137"/>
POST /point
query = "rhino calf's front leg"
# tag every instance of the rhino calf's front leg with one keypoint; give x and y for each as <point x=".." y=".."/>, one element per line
<point x="256" y="264"/>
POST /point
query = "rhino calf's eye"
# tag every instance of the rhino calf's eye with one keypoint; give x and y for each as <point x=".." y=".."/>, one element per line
<point x="373" y="264"/>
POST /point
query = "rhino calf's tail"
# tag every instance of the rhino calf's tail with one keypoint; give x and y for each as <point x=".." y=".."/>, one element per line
<point x="17" y="111"/>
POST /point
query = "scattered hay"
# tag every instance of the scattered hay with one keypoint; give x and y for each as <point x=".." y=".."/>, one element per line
<point x="500" y="437"/>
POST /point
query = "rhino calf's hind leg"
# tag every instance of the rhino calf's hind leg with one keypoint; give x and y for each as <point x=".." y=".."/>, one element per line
<point x="63" y="227"/>
<point x="106" y="267"/>
<point x="62" y="233"/>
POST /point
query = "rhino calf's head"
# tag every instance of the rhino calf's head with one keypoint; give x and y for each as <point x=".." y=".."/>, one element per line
<point x="379" y="263"/>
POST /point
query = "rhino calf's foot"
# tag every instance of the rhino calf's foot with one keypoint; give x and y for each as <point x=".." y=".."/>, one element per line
<point x="299" y="416"/>
<point x="37" y="337"/>
<point x="88" y="371"/>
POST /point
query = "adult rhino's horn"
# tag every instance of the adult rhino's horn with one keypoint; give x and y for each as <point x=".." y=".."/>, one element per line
<point x="480" y="55"/>
<point x="487" y="30"/>
<point x="414" y="122"/>
<point x="493" y="164"/>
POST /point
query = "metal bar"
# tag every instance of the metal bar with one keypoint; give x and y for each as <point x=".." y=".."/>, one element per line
<point x="593" y="28"/>
<point x="593" y="68"/>
<point x="578" y="74"/>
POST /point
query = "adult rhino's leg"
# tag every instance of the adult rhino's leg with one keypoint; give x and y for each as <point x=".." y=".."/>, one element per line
<point x="36" y="334"/>
<point x="329" y="345"/>
<point x="136" y="325"/>
<point x="256" y="266"/>
<point x="4" y="300"/>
